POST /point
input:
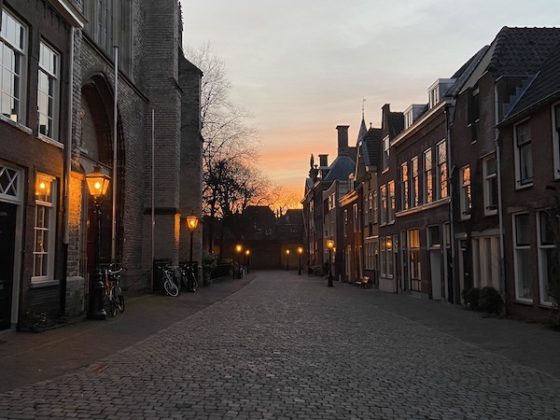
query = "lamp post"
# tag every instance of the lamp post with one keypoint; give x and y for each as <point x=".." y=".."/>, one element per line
<point x="300" y="252"/>
<point x="192" y="224"/>
<point x="247" y="258"/>
<point x="97" y="183"/>
<point x="287" y="259"/>
<point x="330" y="247"/>
<point x="238" y="249"/>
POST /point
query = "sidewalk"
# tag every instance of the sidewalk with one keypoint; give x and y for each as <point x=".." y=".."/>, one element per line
<point x="529" y="344"/>
<point x="26" y="358"/>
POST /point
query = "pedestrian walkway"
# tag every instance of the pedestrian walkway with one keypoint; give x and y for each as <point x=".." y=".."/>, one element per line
<point x="287" y="347"/>
<point x="26" y="358"/>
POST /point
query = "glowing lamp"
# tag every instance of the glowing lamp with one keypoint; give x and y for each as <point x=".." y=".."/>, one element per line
<point x="238" y="248"/>
<point x="330" y="244"/>
<point x="248" y="252"/>
<point x="287" y="252"/>
<point x="97" y="183"/>
<point x="300" y="250"/>
<point x="192" y="222"/>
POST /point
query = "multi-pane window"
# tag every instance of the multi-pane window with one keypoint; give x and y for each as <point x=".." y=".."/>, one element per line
<point x="13" y="39"/>
<point x="522" y="249"/>
<point x="548" y="256"/>
<point x="523" y="155"/>
<point x="45" y="221"/>
<point x="383" y="193"/>
<point x="442" y="191"/>
<point x="414" y="260"/>
<point x="47" y="91"/>
<point x="556" y="137"/>
<point x="405" y="204"/>
<point x="466" y="201"/>
<point x="414" y="183"/>
<point x="490" y="185"/>
<point x="386" y="256"/>
<point x="391" y="188"/>
<point x="428" y="177"/>
<point x="385" y="152"/>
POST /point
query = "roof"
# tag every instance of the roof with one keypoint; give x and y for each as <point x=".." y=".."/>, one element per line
<point x="340" y="168"/>
<point x="521" y="51"/>
<point x="396" y="123"/>
<point x="363" y="131"/>
<point x="465" y="72"/>
<point x="370" y="146"/>
<point x="544" y="87"/>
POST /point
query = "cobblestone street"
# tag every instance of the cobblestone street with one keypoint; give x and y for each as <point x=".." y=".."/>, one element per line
<point x="289" y="347"/>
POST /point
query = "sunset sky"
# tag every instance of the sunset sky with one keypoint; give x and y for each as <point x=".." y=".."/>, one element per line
<point x="302" y="67"/>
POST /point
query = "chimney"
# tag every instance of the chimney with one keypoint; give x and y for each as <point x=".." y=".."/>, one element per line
<point x="323" y="161"/>
<point x="342" y="139"/>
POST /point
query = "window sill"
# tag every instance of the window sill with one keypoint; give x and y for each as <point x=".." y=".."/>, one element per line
<point x="519" y="186"/>
<point x="17" y="125"/>
<point x="490" y="213"/>
<point x="522" y="301"/>
<point x="37" y="283"/>
<point x="50" y="141"/>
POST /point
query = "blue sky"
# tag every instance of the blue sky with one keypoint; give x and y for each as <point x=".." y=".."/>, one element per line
<point x="302" y="67"/>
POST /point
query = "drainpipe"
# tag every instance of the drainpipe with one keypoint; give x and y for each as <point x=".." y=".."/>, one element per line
<point x="66" y="176"/>
<point x="500" y="215"/>
<point x="451" y="170"/>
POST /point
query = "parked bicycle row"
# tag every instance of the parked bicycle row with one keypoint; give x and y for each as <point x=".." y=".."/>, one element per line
<point x="174" y="278"/>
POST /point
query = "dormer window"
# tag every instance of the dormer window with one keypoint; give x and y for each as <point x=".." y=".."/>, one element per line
<point x="433" y="96"/>
<point x="408" y="118"/>
<point x="438" y="90"/>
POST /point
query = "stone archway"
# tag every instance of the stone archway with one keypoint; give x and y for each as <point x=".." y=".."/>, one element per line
<point x="96" y="150"/>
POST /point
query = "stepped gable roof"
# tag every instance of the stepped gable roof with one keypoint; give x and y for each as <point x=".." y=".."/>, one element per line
<point x="521" y="51"/>
<point x="544" y="88"/>
<point x="339" y="170"/>
<point x="370" y="146"/>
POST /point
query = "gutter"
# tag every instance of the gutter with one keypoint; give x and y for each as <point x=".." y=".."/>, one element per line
<point x="451" y="170"/>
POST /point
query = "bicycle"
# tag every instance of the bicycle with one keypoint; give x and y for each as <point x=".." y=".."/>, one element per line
<point x="169" y="280"/>
<point x="188" y="277"/>
<point x="113" y="292"/>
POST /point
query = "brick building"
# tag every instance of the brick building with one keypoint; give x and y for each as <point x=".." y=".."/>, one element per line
<point x="153" y="76"/>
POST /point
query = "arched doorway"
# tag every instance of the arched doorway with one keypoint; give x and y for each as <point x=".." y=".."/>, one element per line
<point x="96" y="151"/>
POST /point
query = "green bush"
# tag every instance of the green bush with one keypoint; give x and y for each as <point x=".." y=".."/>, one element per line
<point x="490" y="301"/>
<point x="471" y="298"/>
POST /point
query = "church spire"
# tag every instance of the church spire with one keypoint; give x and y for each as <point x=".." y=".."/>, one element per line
<point x="363" y="128"/>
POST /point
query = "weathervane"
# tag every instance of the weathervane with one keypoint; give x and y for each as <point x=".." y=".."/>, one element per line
<point x="363" y="106"/>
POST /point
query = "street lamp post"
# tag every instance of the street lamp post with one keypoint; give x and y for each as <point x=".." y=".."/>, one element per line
<point x="238" y="249"/>
<point x="192" y="224"/>
<point x="97" y="183"/>
<point x="300" y="252"/>
<point x="287" y="259"/>
<point x="247" y="259"/>
<point x="330" y="247"/>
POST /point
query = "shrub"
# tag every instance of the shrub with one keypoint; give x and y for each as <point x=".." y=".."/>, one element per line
<point x="490" y="301"/>
<point x="471" y="298"/>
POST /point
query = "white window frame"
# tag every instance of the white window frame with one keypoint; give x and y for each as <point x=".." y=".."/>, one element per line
<point x="428" y="190"/>
<point x="21" y="115"/>
<point x="383" y="210"/>
<point x="414" y="182"/>
<point x="391" y="202"/>
<point x="519" y="183"/>
<point x="516" y="248"/>
<point x="386" y="153"/>
<point x="56" y="94"/>
<point x="544" y="298"/>
<point x="440" y="165"/>
<point x="47" y="277"/>
<point x="375" y="207"/>
<point x="465" y="193"/>
<point x="417" y="251"/>
<point x="405" y="196"/>
<point x="488" y="179"/>
<point x="556" y="139"/>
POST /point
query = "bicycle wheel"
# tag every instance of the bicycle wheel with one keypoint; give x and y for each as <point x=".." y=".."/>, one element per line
<point x="194" y="283"/>
<point x="120" y="301"/>
<point x="113" y="307"/>
<point x="170" y="287"/>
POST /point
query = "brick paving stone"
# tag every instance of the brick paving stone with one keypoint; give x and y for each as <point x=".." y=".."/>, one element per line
<point x="289" y="347"/>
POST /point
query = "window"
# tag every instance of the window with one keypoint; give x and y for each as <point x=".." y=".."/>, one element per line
<point x="355" y="217"/>
<point x="433" y="96"/>
<point x="385" y="152"/>
<point x="386" y="251"/>
<point x="428" y="180"/>
<point x="523" y="155"/>
<point x="345" y="229"/>
<point x="12" y="62"/>
<point x="548" y="256"/>
<point x="522" y="255"/>
<point x="442" y="191"/>
<point x="556" y="137"/>
<point x="414" y="260"/>
<point x="383" y="193"/>
<point x="434" y="237"/>
<point x="404" y="187"/>
<point x="45" y="221"/>
<point x="10" y="189"/>
<point x="490" y="185"/>
<point x="391" y="187"/>
<point x="474" y="113"/>
<point x="414" y="184"/>
<point x="466" y="201"/>
<point x="47" y="92"/>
